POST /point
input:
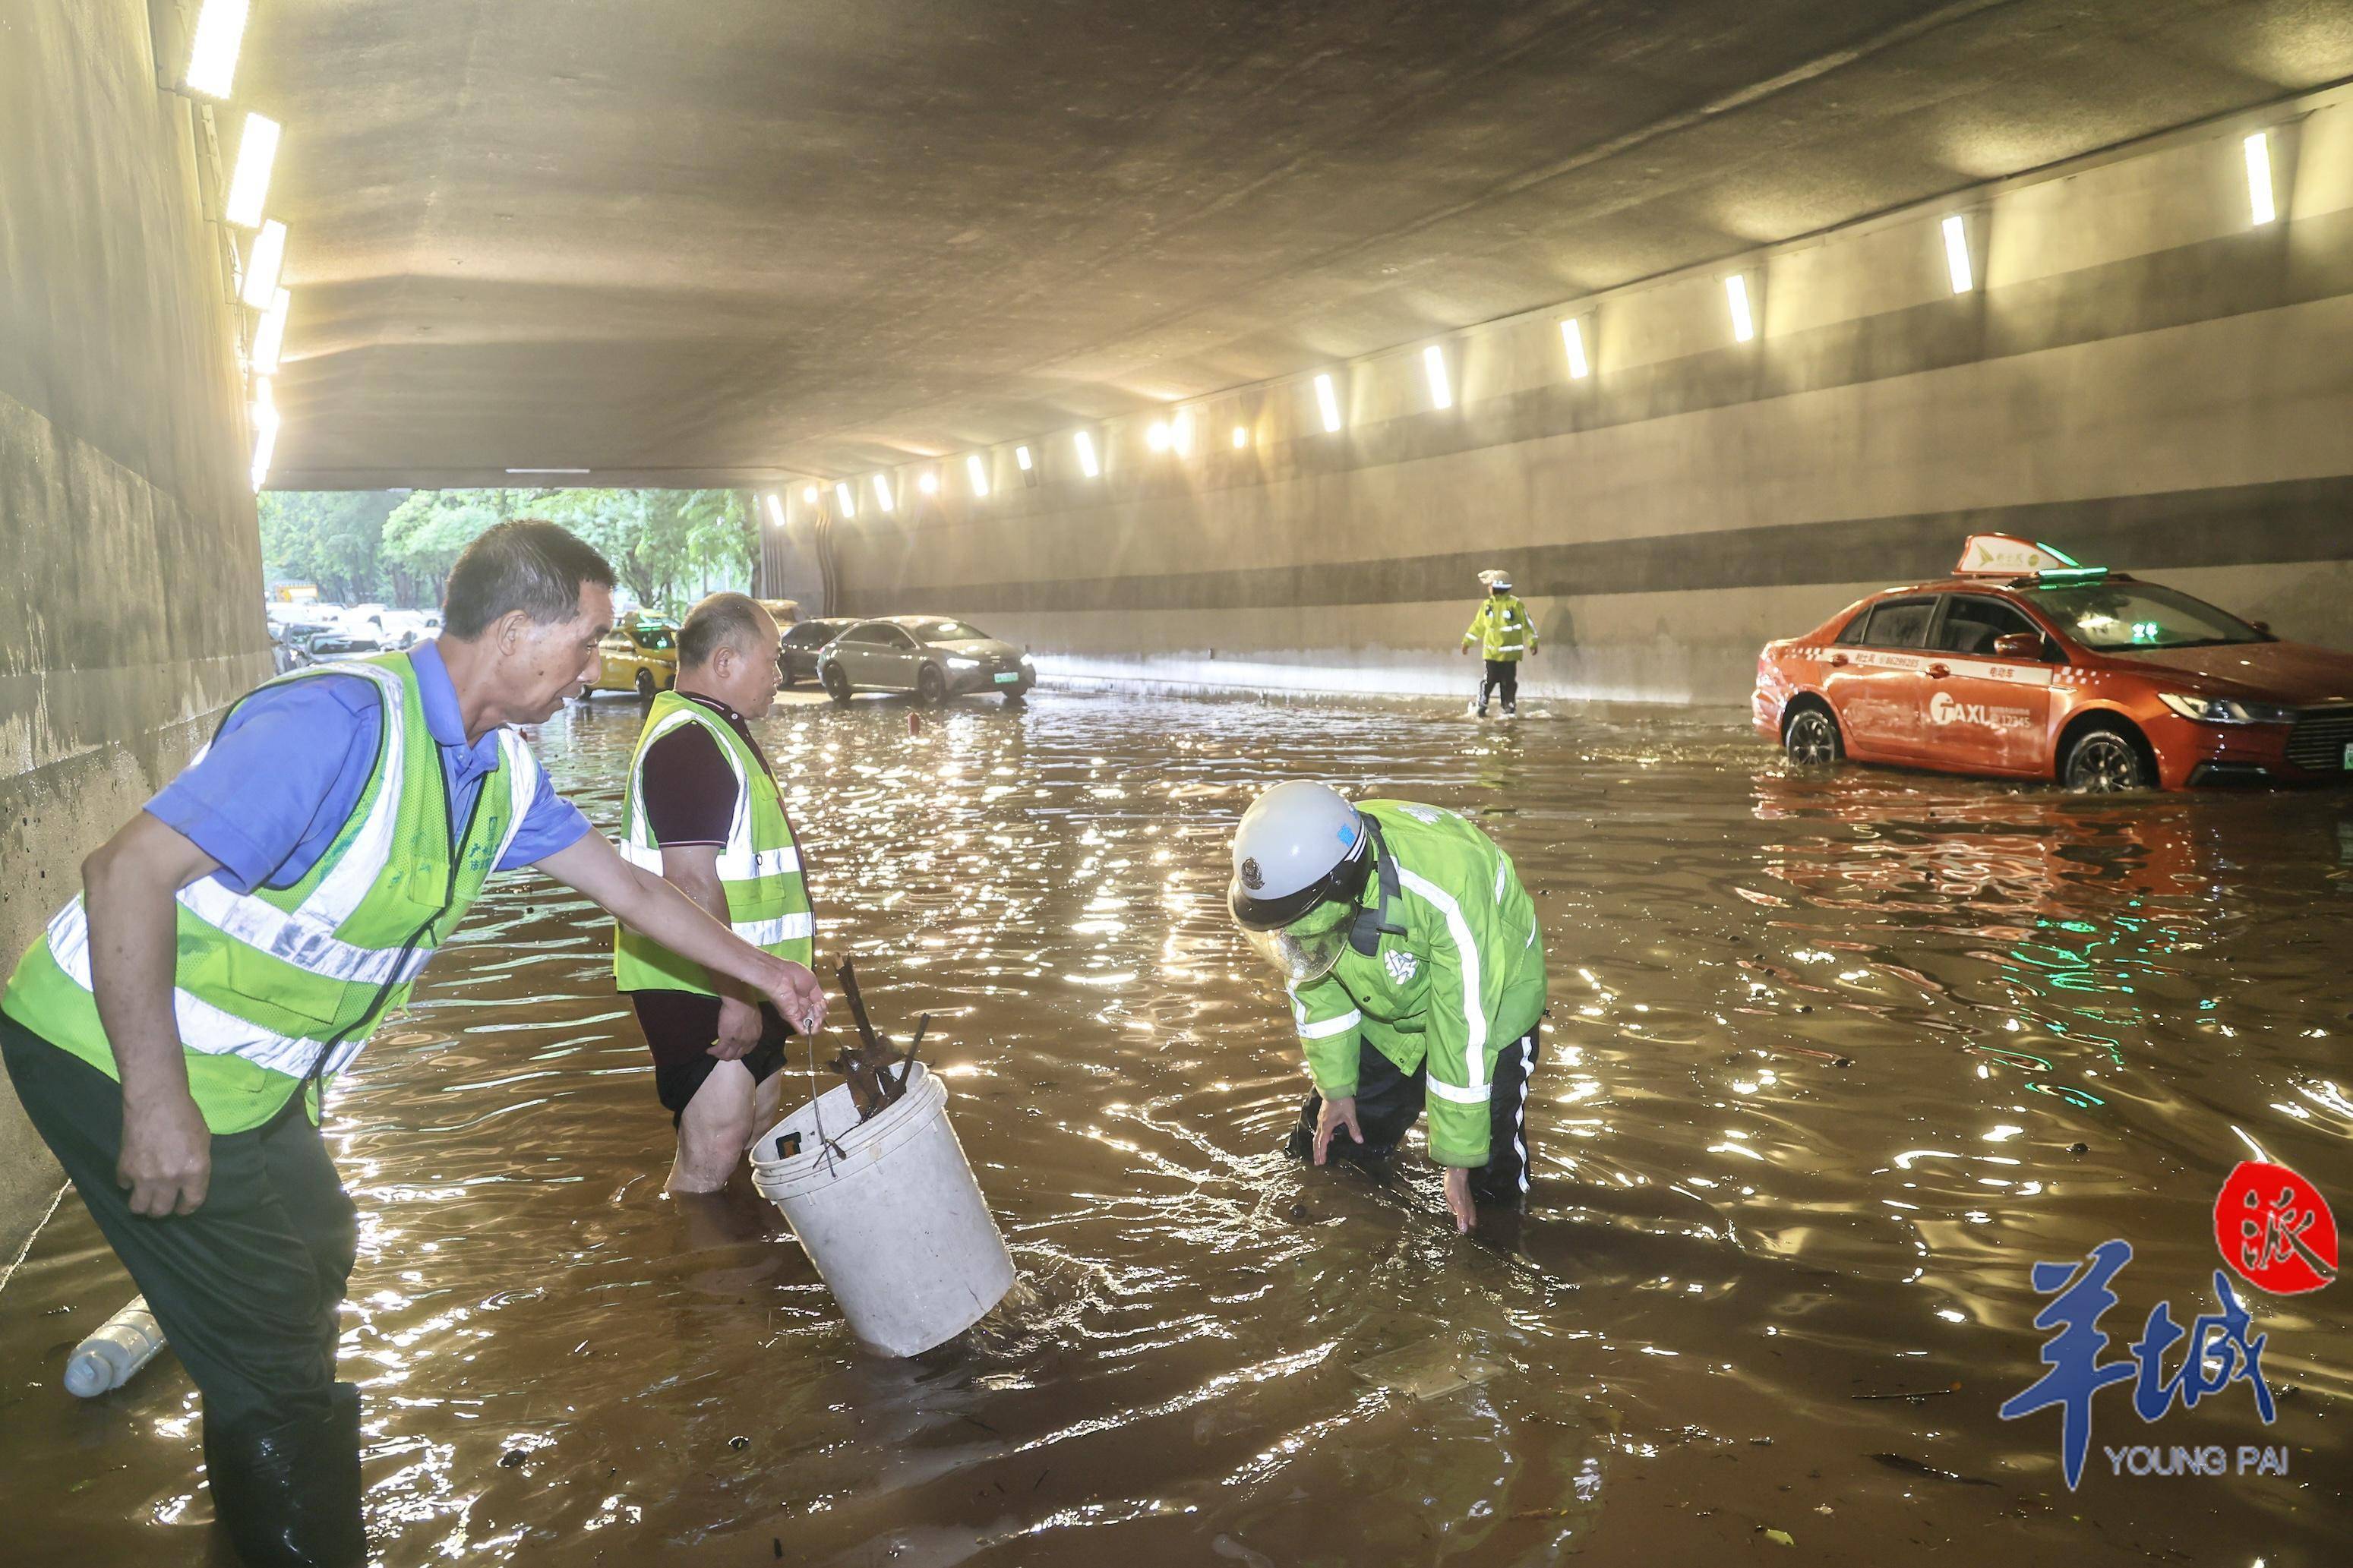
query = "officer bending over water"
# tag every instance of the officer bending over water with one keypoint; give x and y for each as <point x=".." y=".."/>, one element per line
<point x="1416" y="973"/>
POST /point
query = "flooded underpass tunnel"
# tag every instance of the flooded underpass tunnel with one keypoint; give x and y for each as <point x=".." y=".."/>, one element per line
<point x="1831" y="1059"/>
<point x="1706" y="643"/>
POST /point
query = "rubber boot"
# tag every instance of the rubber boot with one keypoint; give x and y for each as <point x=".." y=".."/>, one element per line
<point x="289" y="1493"/>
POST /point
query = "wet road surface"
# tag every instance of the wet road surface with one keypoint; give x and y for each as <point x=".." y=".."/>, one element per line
<point x="1832" y="1059"/>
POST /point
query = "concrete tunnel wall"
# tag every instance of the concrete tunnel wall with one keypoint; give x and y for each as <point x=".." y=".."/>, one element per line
<point x="129" y="562"/>
<point x="2140" y="377"/>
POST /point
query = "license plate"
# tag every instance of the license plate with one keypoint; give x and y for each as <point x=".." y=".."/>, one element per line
<point x="1013" y="676"/>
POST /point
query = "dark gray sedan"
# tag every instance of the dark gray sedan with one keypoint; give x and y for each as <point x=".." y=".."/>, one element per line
<point x="804" y="640"/>
<point x="933" y="656"/>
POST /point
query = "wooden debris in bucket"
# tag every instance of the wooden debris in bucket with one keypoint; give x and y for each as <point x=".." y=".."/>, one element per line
<point x="868" y="1066"/>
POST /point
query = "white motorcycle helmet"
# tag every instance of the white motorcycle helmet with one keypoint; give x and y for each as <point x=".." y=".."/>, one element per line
<point x="1301" y="856"/>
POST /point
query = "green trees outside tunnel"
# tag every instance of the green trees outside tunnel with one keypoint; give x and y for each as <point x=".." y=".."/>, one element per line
<point x="363" y="546"/>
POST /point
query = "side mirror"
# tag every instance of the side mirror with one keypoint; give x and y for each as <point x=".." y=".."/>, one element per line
<point x="2018" y="647"/>
<point x="2262" y="626"/>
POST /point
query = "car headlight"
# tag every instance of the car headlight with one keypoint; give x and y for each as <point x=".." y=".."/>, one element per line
<point x="2225" y="709"/>
<point x="963" y="664"/>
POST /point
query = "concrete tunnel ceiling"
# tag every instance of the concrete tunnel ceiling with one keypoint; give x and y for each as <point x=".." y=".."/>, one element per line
<point x="729" y="241"/>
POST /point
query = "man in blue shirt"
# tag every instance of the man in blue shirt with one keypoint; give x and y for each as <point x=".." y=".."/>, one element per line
<point x="234" y="945"/>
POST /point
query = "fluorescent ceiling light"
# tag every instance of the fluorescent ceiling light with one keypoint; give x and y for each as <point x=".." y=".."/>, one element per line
<point x="1572" y="338"/>
<point x="265" y="430"/>
<point x="547" y="470"/>
<point x="269" y="338"/>
<point x="1156" y="437"/>
<point x="1736" y="294"/>
<point x="262" y="265"/>
<point x="1433" y="363"/>
<point x="2259" y="179"/>
<point x="212" y="53"/>
<point x="776" y="509"/>
<point x="257" y="150"/>
<point x="978" y="470"/>
<point x="1021" y="455"/>
<point x="1087" y="464"/>
<point x="928" y="482"/>
<point x="882" y="491"/>
<point x="841" y="493"/>
<point x="1328" y="401"/>
<point x="808" y="495"/>
<point x="1957" y="254"/>
<point x="1241" y="436"/>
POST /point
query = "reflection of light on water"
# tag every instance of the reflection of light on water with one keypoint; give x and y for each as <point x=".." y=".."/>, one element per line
<point x="1955" y="966"/>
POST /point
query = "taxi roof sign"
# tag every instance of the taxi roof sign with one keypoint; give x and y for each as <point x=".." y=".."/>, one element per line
<point x="2007" y="555"/>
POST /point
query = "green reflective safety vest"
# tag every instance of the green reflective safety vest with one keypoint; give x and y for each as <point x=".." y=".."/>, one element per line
<point x="280" y="986"/>
<point x="1501" y="627"/>
<point x="1461" y="980"/>
<point x="759" y="866"/>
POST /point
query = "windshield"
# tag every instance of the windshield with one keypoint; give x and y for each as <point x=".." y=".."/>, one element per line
<point x="2122" y="617"/>
<point x="653" y="636"/>
<point x="949" y="631"/>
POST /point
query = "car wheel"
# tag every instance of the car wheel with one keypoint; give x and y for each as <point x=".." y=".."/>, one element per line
<point x="1811" y="739"/>
<point x="786" y="679"/>
<point x="2104" y="761"/>
<point x="837" y="685"/>
<point x="645" y="685"/>
<point x="930" y="686"/>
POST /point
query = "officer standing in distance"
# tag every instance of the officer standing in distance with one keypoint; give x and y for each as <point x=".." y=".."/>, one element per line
<point x="1415" y="975"/>
<point x="1505" y="636"/>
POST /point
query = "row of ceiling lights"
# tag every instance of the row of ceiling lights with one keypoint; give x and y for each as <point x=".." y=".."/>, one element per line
<point x="211" y="68"/>
<point x="1176" y="434"/>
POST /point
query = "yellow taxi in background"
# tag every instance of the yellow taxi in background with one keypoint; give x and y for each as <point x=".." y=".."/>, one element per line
<point x="639" y="656"/>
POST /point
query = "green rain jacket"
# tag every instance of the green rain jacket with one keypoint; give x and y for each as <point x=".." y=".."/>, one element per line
<point x="1460" y="979"/>
<point x="1503" y="628"/>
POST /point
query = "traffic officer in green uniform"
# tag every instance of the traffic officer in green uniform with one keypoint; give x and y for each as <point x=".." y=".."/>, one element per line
<point x="171" y="1035"/>
<point x="1416" y="973"/>
<point x="703" y="810"/>
<point x="1505" y="636"/>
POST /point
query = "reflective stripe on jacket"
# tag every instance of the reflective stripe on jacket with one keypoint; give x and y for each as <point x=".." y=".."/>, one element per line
<point x="759" y="866"/>
<point x="1501" y="627"/>
<point x="276" y="984"/>
<point x="1465" y="979"/>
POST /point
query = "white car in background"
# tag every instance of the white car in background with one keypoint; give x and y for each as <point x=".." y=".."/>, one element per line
<point x="406" y="628"/>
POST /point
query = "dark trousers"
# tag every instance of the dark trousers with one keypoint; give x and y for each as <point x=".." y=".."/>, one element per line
<point x="1390" y="1102"/>
<point x="1505" y="673"/>
<point x="247" y="1287"/>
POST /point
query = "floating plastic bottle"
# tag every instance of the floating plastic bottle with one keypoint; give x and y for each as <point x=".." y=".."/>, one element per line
<point x="114" y="1355"/>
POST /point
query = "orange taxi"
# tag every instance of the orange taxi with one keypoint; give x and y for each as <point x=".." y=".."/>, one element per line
<point x="2026" y="665"/>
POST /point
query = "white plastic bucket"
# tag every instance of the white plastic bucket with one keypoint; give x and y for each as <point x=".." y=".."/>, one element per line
<point x="890" y="1214"/>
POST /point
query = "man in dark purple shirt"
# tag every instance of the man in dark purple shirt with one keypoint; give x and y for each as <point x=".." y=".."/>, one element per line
<point x="716" y="1058"/>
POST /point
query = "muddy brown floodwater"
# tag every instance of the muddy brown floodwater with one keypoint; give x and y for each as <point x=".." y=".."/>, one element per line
<point x="1832" y="1061"/>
